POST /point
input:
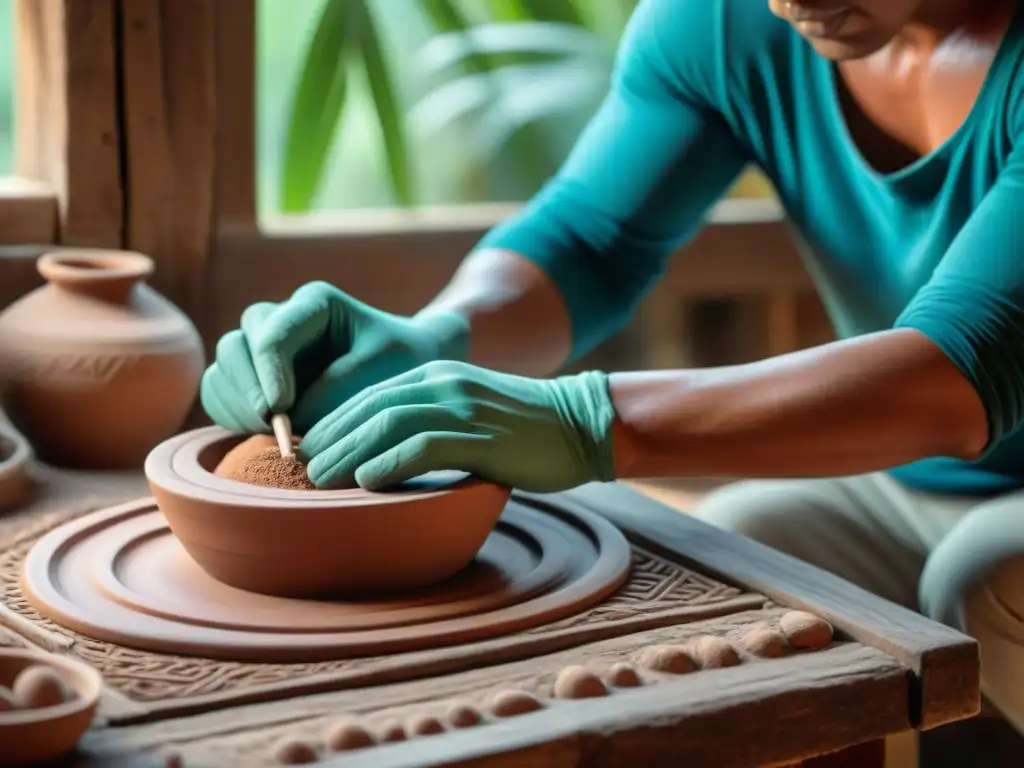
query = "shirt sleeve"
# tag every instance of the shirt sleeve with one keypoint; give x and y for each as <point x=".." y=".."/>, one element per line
<point x="639" y="181"/>
<point x="973" y="305"/>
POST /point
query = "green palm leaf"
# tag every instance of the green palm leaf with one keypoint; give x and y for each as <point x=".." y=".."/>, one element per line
<point x="317" y="104"/>
<point x="390" y="115"/>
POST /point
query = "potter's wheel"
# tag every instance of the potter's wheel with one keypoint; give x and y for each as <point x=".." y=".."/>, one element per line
<point x="120" y="575"/>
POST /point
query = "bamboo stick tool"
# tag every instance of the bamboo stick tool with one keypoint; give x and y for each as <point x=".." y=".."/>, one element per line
<point x="282" y="427"/>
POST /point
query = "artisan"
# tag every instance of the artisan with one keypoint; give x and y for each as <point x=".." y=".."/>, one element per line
<point x="893" y="133"/>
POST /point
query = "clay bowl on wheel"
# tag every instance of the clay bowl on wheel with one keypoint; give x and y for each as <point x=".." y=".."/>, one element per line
<point x="301" y="543"/>
<point x="30" y="736"/>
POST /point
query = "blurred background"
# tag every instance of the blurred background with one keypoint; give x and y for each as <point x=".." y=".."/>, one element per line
<point x="378" y="103"/>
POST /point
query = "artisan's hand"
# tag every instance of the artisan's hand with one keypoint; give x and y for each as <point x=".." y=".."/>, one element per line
<point x="540" y="435"/>
<point x="307" y="355"/>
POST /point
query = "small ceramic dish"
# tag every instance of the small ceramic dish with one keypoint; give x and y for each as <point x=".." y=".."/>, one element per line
<point x="30" y="736"/>
<point x="15" y="455"/>
<point x="300" y="543"/>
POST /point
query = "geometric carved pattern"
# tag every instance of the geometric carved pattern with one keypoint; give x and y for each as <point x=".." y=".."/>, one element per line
<point x="656" y="590"/>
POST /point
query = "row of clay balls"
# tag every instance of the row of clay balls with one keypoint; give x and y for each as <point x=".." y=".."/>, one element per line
<point x="35" y="687"/>
<point x="797" y="630"/>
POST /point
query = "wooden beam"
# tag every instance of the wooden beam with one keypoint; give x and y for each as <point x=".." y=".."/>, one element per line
<point x="28" y="212"/>
<point x="66" y="117"/>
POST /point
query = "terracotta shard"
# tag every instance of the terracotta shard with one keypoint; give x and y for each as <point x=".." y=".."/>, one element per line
<point x="346" y="736"/>
<point x="673" y="659"/>
<point x="713" y="652"/>
<point x="577" y="682"/>
<point x="805" y="630"/>
<point x="514" y="703"/>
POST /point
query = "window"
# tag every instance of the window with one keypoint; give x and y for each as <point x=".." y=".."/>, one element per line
<point x="462" y="130"/>
<point x="179" y="113"/>
<point x="6" y="87"/>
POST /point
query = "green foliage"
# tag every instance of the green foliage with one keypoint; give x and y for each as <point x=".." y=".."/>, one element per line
<point x="499" y="70"/>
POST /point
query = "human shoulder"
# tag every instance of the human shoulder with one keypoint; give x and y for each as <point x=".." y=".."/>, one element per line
<point x="701" y="48"/>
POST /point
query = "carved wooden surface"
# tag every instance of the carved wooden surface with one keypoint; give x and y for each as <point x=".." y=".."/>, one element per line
<point x="146" y="685"/>
<point x="760" y="710"/>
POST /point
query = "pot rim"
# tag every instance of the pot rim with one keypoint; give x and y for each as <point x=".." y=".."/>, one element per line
<point x="173" y="467"/>
<point x="86" y="681"/>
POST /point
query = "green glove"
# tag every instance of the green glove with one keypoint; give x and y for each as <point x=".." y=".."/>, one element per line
<point x="309" y="354"/>
<point x="540" y="435"/>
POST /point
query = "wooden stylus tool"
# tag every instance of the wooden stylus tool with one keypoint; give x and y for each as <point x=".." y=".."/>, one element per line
<point x="282" y="427"/>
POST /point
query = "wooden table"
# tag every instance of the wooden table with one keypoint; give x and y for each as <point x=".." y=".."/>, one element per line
<point x="890" y="670"/>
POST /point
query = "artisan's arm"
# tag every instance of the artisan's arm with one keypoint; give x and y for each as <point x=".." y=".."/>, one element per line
<point x="568" y="271"/>
<point x="948" y="380"/>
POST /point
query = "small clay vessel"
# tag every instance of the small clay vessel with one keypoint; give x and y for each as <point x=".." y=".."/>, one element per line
<point x="15" y="455"/>
<point x="47" y="730"/>
<point x="99" y="368"/>
<point x="312" y="543"/>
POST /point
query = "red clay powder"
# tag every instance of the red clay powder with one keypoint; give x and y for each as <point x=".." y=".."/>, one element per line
<point x="269" y="468"/>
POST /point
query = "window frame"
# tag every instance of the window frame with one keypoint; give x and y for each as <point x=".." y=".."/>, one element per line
<point x="162" y="97"/>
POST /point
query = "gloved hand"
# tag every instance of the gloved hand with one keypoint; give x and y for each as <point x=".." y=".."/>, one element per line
<point x="309" y="354"/>
<point x="540" y="435"/>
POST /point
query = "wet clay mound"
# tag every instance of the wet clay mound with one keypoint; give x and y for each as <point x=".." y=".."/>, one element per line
<point x="258" y="461"/>
<point x="270" y="468"/>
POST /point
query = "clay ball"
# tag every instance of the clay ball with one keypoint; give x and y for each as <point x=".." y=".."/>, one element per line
<point x="347" y="735"/>
<point x="712" y="652"/>
<point x="513" y="703"/>
<point x="392" y="731"/>
<point x="39" y="686"/>
<point x="463" y="716"/>
<point x="764" y="642"/>
<point x="7" y="701"/>
<point x="624" y="676"/>
<point x="673" y="659"/>
<point x="424" y="725"/>
<point x="576" y="682"/>
<point x="289" y="751"/>
<point x="805" y="630"/>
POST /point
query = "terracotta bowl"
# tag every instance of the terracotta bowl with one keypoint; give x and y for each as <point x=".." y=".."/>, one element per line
<point x="15" y="455"/>
<point x="35" y="735"/>
<point x="299" y="543"/>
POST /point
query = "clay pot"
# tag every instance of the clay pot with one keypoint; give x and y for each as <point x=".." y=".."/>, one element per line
<point x="100" y="367"/>
<point x="301" y="543"/>
<point x="15" y="455"/>
<point x="30" y="736"/>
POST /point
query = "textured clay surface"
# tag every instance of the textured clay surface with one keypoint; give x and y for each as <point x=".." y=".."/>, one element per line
<point x="269" y="468"/>
<point x="462" y="715"/>
<point x="673" y="659"/>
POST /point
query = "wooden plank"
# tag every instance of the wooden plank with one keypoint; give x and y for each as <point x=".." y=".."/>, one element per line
<point x="946" y="662"/>
<point x="66" y="127"/>
<point x="236" y="97"/>
<point x="255" y="266"/>
<point x="787" y="709"/>
<point x="28" y="212"/>
<point x="170" y="136"/>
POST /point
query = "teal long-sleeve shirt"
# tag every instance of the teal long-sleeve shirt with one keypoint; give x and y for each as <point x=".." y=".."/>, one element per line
<point x="701" y="90"/>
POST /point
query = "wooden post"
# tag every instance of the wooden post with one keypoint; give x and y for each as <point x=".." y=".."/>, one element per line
<point x="169" y="127"/>
<point x="66" y="129"/>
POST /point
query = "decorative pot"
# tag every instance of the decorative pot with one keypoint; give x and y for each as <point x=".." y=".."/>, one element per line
<point x="99" y="367"/>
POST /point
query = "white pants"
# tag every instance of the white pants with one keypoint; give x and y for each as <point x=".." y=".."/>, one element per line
<point x="957" y="560"/>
